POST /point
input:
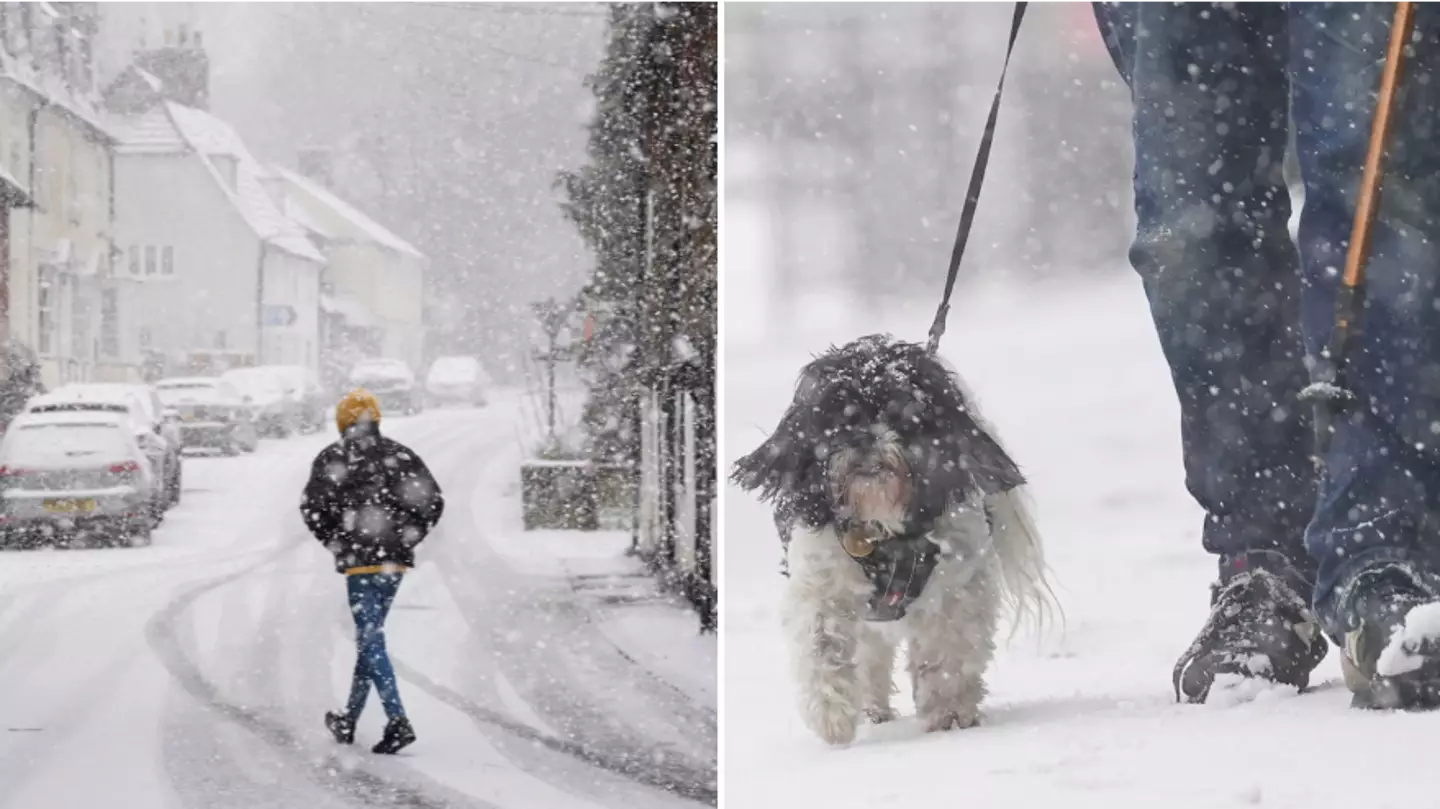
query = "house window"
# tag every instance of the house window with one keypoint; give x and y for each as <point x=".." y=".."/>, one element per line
<point x="167" y="260"/>
<point x="46" y="303"/>
<point x="149" y="259"/>
<point x="110" y="321"/>
<point x="134" y="260"/>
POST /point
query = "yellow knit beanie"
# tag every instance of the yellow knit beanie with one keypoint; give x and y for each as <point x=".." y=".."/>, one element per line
<point x="356" y="404"/>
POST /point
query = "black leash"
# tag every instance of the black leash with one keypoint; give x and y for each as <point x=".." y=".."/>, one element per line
<point x="972" y="197"/>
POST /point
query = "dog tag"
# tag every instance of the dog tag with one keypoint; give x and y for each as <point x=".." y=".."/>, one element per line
<point x="857" y="544"/>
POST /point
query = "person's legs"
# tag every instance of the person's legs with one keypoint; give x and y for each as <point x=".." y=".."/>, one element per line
<point x="362" y="609"/>
<point x="383" y="587"/>
<point x="1213" y="250"/>
<point x="1374" y="526"/>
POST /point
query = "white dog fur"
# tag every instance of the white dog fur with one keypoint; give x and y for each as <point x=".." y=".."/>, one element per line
<point x="843" y="664"/>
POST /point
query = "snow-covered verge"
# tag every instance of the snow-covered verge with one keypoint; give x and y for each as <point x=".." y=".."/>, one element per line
<point x="656" y="630"/>
<point x="1072" y="376"/>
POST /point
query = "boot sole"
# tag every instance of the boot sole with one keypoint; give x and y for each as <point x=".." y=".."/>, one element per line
<point x="391" y="749"/>
<point x="1194" y="686"/>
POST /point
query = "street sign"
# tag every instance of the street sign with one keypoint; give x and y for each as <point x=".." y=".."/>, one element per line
<point x="278" y="315"/>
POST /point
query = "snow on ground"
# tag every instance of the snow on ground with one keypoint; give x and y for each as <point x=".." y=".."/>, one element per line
<point x="194" y="673"/>
<point x="1072" y="376"/>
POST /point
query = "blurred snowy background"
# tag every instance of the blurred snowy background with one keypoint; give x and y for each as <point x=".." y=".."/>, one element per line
<point x="850" y="133"/>
<point x="447" y="122"/>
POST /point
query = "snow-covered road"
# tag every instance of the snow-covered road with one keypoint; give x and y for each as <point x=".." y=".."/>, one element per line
<point x="194" y="673"/>
<point x="1071" y="374"/>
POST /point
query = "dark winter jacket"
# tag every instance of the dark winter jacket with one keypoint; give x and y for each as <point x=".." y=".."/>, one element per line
<point x="370" y="500"/>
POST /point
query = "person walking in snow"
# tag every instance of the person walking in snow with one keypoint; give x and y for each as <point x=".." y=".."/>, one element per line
<point x="1241" y="312"/>
<point x="370" y="501"/>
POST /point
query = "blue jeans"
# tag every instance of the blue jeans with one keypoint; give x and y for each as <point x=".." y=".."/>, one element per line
<point x="370" y="599"/>
<point x="1241" y="311"/>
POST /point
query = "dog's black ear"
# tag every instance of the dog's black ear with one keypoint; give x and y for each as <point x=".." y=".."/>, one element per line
<point x="960" y="456"/>
<point x="991" y="469"/>
<point x="787" y="468"/>
<point x="787" y="474"/>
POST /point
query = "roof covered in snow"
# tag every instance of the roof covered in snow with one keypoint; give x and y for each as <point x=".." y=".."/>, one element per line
<point x="12" y="191"/>
<point x="372" y="230"/>
<point x="55" y="93"/>
<point x="210" y="138"/>
<point x="148" y="133"/>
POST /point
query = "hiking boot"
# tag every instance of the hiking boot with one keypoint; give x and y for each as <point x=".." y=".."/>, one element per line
<point x="398" y="735"/>
<point x="341" y="727"/>
<point x="1391" y="658"/>
<point x="1260" y="627"/>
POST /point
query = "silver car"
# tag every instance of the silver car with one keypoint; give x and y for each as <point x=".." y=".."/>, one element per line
<point x="160" y="441"/>
<point x="75" y="477"/>
<point x="211" y="414"/>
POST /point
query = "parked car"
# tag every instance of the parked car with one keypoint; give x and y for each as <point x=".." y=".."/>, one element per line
<point x="159" y="440"/>
<point x="77" y="473"/>
<point x="210" y="412"/>
<point x="308" y="398"/>
<point x="392" y="382"/>
<point x="456" y="380"/>
<point x="262" y="389"/>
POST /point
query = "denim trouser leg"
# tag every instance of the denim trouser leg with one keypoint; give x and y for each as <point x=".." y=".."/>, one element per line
<point x="1382" y="476"/>
<point x="370" y="599"/>
<point x="1210" y="86"/>
<point x="1220" y="270"/>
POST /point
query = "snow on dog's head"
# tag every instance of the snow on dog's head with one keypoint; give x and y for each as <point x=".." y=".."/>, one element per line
<point x="881" y="432"/>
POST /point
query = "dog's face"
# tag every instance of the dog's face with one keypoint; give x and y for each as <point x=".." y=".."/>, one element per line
<point x="869" y="478"/>
<point x="878" y="433"/>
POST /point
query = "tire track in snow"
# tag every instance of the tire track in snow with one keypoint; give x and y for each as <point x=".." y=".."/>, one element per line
<point x="679" y="780"/>
<point x="330" y="772"/>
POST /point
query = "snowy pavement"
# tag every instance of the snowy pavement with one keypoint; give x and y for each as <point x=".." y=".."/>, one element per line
<point x="194" y="673"/>
<point x="1071" y="374"/>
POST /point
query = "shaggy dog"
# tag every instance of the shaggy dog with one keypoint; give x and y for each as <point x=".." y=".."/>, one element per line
<point x="901" y="519"/>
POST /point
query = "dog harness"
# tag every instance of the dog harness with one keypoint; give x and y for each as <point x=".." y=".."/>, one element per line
<point x="899" y="567"/>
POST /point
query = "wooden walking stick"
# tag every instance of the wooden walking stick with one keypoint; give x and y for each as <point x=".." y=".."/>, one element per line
<point x="1328" y="391"/>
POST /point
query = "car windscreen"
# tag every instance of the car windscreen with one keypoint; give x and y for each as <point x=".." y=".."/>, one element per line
<point x="79" y="407"/>
<point x="454" y="369"/>
<point x="378" y="371"/>
<point x="195" y="391"/>
<point x="255" y="383"/>
<point x="60" y="445"/>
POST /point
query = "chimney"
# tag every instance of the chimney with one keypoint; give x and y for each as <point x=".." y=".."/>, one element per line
<point x="183" y="69"/>
<point x="314" y="164"/>
<point x="227" y="165"/>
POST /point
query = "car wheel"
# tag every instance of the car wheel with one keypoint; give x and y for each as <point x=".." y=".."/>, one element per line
<point x="172" y="489"/>
<point x="135" y="536"/>
<point x="231" y="448"/>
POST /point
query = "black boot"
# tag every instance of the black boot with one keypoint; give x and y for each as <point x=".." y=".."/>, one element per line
<point x="1386" y="666"/>
<point x="341" y="727"/>
<point x="1260" y="626"/>
<point x="398" y="735"/>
